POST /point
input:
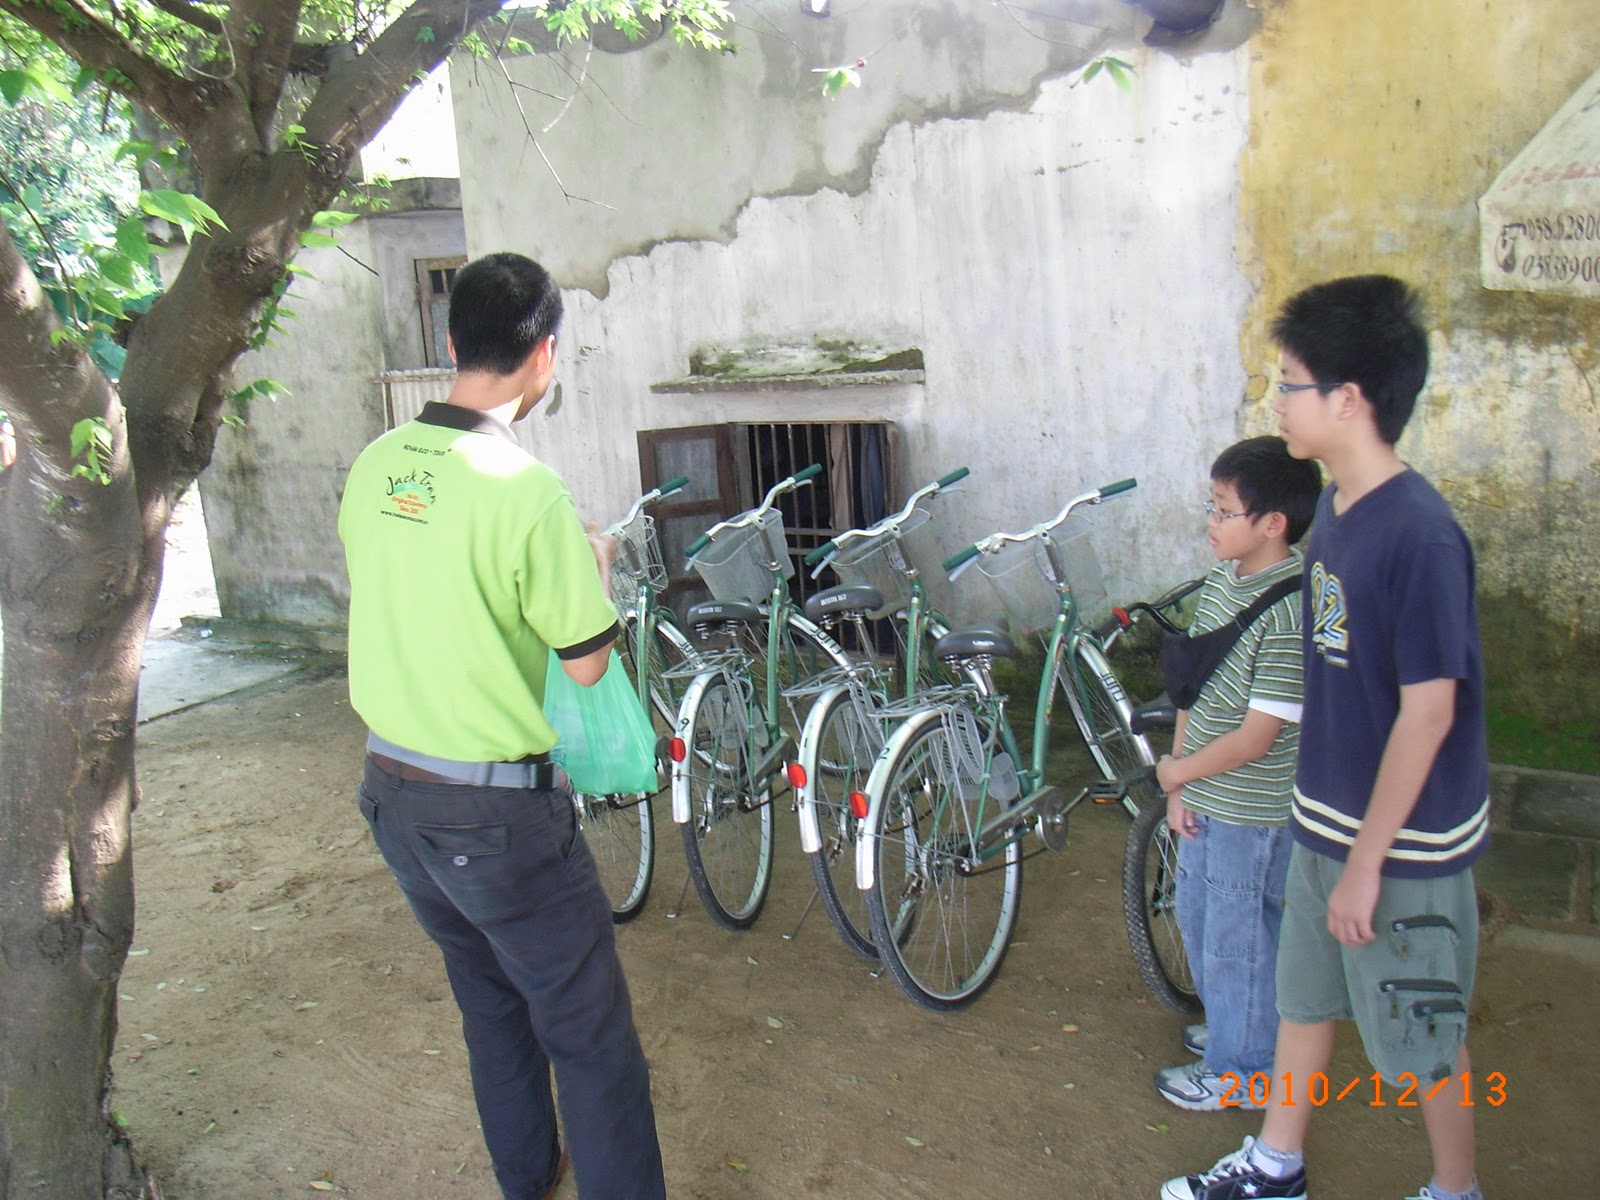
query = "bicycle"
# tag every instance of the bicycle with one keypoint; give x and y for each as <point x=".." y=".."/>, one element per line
<point x="940" y="858"/>
<point x="731" y="743"/>
<point x="1150" y="858"/>
<point x="620" y="829"/>
<point x="846" y="727"/>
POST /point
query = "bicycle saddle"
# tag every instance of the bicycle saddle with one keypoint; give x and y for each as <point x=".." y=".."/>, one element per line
<point x="972" y="643"/>
<point x="837" y="600"/>
<point x="1159" y="713"/>
<point x="709" y="612"/>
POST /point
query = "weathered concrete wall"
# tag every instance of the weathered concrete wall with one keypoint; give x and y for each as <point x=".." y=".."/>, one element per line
<point x="1376" y="128"/>
<point x="1062" y="254"/>
<point x="271" y="495"/>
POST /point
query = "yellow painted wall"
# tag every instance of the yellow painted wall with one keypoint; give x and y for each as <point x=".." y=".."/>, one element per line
<point x="1375" y="127"/>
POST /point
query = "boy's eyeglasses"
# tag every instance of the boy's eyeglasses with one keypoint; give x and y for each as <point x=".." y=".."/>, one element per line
<point x="1285" y="388"/>
<point x="1213" y="513"/>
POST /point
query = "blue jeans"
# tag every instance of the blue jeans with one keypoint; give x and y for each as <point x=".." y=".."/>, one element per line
<point x="1230" y="908"/>
<point x="501" y="880"/>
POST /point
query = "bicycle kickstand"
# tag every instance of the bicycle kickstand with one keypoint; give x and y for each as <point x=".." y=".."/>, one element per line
<point x="682" y="892"/>
<point x="804" y="913"/>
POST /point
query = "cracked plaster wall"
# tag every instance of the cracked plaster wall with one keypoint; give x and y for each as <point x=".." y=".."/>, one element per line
<point x="1063" y="255"/>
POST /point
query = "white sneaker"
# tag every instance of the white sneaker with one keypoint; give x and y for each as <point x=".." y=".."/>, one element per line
<point x="1193" y="1087"/>
<point x="1195" y="1038"/>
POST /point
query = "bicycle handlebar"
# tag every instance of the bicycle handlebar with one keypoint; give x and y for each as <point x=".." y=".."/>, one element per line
<point x="959" y="562"/>
<point x="818" y="557"/>
<point x="668" y="488"/>
<point x="755" y="514"/>
<point x="1123" y="617"/>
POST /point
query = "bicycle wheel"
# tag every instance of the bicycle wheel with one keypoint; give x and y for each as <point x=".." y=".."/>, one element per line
<point x="848" y="742"/>
<point x="1150" y="904"/>
<point x="728" y="837"/>
<point x="621" y="833"/>
<point x="1104" y="715"/>
<point x="668" y="655"/>
<point x="941" y="920"/>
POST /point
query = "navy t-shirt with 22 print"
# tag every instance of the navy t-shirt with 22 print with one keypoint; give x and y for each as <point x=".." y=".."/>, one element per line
<point x="1389" y="602"/>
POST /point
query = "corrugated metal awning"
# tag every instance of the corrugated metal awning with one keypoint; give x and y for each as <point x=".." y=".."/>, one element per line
<point x="1539" y="225"/>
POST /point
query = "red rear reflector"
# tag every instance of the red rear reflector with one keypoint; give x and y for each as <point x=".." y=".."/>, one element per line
<point x="797" y="776"/>
<point x="678" y="750"/>
<point x="858" y="805"/>
<point x="1123" y="619"/>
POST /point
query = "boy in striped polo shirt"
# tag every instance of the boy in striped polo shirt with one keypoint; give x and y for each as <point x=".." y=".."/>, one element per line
<point x="1229" y="787"/>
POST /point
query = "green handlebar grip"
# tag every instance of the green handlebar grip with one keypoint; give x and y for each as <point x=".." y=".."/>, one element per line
<point x="955" y="476"/>
<point x="820" y="553"/>
<point x="955" y="560"/>
<point x="699" y="544"/>
<point x="1122" y="485"/>
<point x="810" y="472"/>
<point x="674" y="485"/>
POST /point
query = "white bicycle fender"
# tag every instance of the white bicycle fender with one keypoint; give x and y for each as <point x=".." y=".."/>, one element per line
<point x="810" y="832"/>
<point x="692" y="696"/>
<point x="866" y="848"/>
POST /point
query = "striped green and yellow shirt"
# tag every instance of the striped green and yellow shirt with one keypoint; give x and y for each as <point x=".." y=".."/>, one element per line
<point x="1261" y="671"/>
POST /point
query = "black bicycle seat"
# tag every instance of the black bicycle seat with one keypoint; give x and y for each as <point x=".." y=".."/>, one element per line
<point x="971" y="643"/>
<point x="837" y="600"/>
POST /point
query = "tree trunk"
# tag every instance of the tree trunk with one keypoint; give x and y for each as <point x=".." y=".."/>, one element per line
<point x="76" y="592"/>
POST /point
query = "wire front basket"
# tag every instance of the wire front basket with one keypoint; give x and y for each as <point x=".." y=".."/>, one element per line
<point x="638" y="564"/>
<point x="1023" y="578"/>
<point x="881" y="561"/>
<point x="735" y="564"/>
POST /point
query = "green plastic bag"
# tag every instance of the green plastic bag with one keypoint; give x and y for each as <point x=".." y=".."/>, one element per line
<point x="608" y="745"/>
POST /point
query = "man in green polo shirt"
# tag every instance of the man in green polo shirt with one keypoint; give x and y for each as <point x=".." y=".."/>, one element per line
<point x="468" y="564"/>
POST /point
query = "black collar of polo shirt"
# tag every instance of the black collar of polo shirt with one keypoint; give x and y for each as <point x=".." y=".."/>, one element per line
<point x="468" y="420"/>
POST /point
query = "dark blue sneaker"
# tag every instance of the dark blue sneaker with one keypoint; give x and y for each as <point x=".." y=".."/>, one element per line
<point x="1235" y="1177"/>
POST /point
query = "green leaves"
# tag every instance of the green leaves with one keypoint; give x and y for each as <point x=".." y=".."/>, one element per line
<point x="695" y="23"/>
<point x="91" y="441"/>
<point x="835" y="78"/>
<point x="33" y="81"/>
<point x="1121" y="72"/>
<point x="190" y="213"/>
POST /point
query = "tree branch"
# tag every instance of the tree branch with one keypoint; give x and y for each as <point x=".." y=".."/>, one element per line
<point x="262" y="35"/>
<point x="359" y="96"/>
<point x="81" y="33"/>
<point x="190" y="15"/>
<point x="47" y="383"/>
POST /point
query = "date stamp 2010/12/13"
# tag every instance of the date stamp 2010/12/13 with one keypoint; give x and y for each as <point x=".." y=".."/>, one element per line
<point x="1260" y="1090"/>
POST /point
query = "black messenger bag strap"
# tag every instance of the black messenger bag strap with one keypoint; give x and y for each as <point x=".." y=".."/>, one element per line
<point x="1187" y="662"/>
<point x="1247" y="617"/>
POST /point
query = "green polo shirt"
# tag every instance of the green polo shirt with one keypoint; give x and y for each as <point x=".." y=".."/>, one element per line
<point x="467" y="564"/>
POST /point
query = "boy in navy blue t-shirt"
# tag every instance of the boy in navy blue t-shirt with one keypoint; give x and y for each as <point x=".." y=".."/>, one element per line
<point x="1391" y="787"/>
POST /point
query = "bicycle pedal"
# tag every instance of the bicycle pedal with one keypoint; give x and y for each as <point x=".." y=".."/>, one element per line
<point x="1106" y="793"/>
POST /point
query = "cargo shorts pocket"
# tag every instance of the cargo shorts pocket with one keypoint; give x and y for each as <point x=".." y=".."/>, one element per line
<point x="1422" y="1023"/>
<point x="1426" y="944"/>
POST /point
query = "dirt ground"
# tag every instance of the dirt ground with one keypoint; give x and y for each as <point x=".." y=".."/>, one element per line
<point x="287" y="1030"/>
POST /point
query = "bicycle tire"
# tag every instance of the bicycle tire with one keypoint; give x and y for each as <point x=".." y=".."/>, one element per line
<point x="1149" y="905"/>
<point x="847" y="744"/>
<point x="1104" y="714"/>
<point x="728" y="838"/>
<point x="621" y="835"/>
<point x="941" y="935"/>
